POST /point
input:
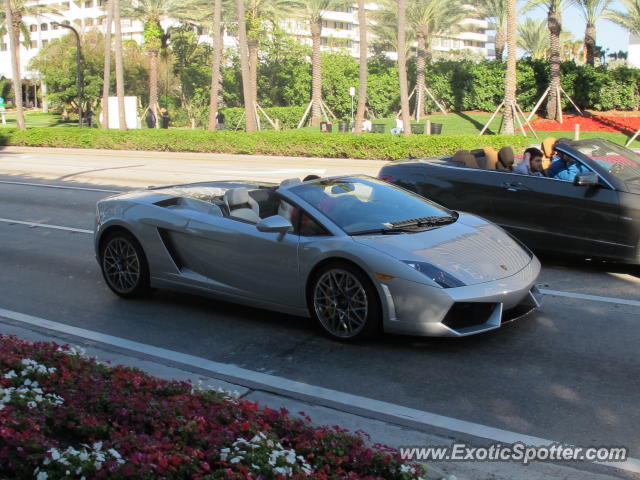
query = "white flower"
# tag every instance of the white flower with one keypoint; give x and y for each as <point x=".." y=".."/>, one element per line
<point x="114" y="453"/>
<point x="10" y="374"/>
<point x="31" y="404"/>
<point x="236" y="459"/>
<point x="55" y="454"/>
<point x="42" y="476"/>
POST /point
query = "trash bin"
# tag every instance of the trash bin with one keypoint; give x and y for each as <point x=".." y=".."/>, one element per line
<point x="436" y="128"/>
<point x="417" y="127"/>
<point x="377" y="128"/>
<point x="326" y="127"/>
<point x="344" y="126"/>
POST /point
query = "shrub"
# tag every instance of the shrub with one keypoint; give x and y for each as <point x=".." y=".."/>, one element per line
<point x="65" y="416"/>
<point x="299" y="143"/>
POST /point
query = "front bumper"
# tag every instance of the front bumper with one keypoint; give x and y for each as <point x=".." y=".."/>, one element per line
<point x="417" y="309"/>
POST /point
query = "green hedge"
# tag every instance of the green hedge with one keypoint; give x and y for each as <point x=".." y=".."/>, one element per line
<point x="289" y="117"/>
<point x="290" y="143"/>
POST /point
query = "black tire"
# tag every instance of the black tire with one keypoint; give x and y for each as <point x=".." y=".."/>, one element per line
<point x="124" y="265"/>
<point x="337" y="295"/>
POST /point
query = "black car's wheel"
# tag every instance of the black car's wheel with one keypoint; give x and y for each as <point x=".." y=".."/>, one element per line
<point x="344" y="302"/>
<point x="124" y="265"/>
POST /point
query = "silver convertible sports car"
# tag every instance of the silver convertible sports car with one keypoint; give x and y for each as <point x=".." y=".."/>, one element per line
<point x="355" y="253"/>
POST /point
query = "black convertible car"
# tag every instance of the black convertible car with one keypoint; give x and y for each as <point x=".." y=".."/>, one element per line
<point x="597" y="215"/>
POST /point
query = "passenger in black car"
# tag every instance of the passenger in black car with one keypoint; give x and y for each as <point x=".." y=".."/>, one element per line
<point x="531" y="163"/>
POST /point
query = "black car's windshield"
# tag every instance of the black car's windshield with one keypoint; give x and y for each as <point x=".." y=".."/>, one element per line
<point x="620" y="162"/>
<point x="362" y="205"/>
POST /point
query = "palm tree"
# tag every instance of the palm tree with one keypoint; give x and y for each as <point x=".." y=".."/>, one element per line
<point x="402" y="67"/>
<point x="429" y="18"/>
<point x="258" y="14"/>
<point x="362" y="84"/>
<point x="629" y="20"/>
<point x="554" y="24"/>
<point x="313" y="12"/>
<point x="122" y="122"/>
<point x="15" y="63"/>
<point x="592" y="10"/>
<point x="151" y="13"/>
<point x="495" y="12"/>
<point x="215" y="66"/>
<point x="510" y="79"/>
<point x="425" y="20"/>
<point x="249" y="101"/>
<point x="533" y="38"/>
<point x="107" y="65"/>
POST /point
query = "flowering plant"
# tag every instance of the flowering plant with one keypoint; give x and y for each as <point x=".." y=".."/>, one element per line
<point x="65" y="416"/>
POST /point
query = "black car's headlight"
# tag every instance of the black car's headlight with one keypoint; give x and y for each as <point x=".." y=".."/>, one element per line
<point x="442" y="278"/>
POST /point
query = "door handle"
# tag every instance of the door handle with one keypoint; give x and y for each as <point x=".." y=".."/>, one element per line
<point x="514" y="187"/>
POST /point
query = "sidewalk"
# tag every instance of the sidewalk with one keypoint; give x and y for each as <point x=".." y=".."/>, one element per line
<point x="391" y="433"/>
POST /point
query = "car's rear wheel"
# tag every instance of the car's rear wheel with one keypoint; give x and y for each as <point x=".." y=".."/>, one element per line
<point x="124" y="265"/>
<point x="344" y="302"/>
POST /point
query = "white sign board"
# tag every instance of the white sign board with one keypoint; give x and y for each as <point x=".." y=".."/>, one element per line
<point x="130" y="112"/>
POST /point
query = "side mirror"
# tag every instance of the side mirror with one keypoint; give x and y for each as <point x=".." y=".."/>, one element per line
<point x="586" y="179"/>
<point x="275" y="224"/>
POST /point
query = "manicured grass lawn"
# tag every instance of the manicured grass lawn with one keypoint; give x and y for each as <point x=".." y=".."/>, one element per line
<point x="39" y="119"/>
<point x="472" y="123"/>
<point x="452" y="124"/>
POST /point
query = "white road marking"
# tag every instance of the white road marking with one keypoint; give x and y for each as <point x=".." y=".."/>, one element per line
<point x="347" y="402"/>
<point x="270" y="172"/>
<point x="63" y="187"/>
<point x="45" y="225"/>
<point x="594" y="298"/>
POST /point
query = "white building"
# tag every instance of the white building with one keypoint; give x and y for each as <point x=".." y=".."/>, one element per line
<point x="340" y="31"/>
<point x="633" y="51"/>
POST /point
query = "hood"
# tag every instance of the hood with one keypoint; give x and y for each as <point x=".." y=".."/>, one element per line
<point x="471" y="249"/>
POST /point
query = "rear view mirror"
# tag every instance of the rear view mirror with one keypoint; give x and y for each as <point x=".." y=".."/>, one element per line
<point x="586" y="179"/>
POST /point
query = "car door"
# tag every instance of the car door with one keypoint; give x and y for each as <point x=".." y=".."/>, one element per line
<point x="237" y="259"/>
<point x="457" y="188"/>
<point x="548" y="212"/>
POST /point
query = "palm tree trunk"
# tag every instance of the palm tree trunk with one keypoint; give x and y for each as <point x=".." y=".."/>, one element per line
<point x="590" y="43"/>
<point x="215" y="67"/>
<point x="421" y="63"/>
<point x="316" y="74"/>
<point x="510" y="80"/>
<point x="249" y="101"/>
<point x="499" y="43"/>
<point x="122" y="119"/>
<point x="402" y="67"/>
<point x="362" y="85"/>
<point x="106" y="79"/>
<point x="554" y="21"/>
<point x="14" y="45"/>
<point x="252" y="46"/>
<point x="153" y="83"/>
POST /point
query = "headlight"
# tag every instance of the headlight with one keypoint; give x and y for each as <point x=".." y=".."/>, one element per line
<point x="442" y="278"/>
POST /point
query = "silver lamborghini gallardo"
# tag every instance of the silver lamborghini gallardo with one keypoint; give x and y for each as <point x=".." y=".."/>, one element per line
<point x="356" y="254"/>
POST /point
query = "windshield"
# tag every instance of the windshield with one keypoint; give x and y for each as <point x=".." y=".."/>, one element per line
<point x="620" y="162"/>
<point x="362" y="204"/>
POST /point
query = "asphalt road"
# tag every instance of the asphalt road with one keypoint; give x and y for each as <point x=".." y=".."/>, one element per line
<point x="569" y="372"/>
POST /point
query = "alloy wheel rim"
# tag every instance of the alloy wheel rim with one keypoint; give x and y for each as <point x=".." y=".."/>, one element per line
<point x="121" y="265"/>
<point x="340" y="302"/>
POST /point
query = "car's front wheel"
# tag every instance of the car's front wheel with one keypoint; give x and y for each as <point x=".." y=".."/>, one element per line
<point x="344" y="302"/>
<point x="124" y="265"/>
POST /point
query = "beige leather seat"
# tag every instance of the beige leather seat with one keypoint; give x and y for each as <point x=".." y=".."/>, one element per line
<point x="465" y="157"/>
<point x="491" y="157"/>
<point x="241" y="205"/>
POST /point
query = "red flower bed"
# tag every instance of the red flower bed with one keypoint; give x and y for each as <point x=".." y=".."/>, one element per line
<point x="66" y="416"/>
<point x="589" y="123"/>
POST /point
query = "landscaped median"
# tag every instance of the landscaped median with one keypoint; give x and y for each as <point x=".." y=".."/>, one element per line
<point x="65" y="416"/>
<point x="293" y="143"/>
